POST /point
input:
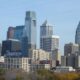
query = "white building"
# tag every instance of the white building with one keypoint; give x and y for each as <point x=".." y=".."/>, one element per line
<point x="40" y="59"/>
<point x="49" y="43"/>
<point x="39" y="54"/>
<point x="15" y="63"/>
<point x="1" y="58"/>
<point x="55" y="57"/>
<point x="35" y="67"/>
<point x="1" y="61"/>
<point x="64" y="69"/>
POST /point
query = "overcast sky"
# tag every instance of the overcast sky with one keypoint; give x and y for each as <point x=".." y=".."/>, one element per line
<point x="64" y="15"/>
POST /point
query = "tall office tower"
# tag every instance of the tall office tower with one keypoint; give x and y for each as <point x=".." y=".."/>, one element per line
<point x="77" y="36"/>
<point x="0" y="49"/>
<point x="46" y="29"/>
<point x="15" y="32"/>
<point x="48" y="41"/>
<point x="10" y="45"/>
<point x="24" y="46"/>
<point x="10" y="33"/>
<point x="71" y="48"/>
<point x="18" y="32"/>
<point x="30" y="29"/>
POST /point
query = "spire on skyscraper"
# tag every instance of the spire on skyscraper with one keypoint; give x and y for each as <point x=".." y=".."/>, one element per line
<point x="46" y="23"/>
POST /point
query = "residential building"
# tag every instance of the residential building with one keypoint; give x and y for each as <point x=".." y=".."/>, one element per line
<point x="35" y="67"/>
<point x="71" y="48"/>
<point x="56" y="56"/>
<point x="17" y="63"/>
<point x="38" y="54"/>
<point x="10" y="45"/>
<point x="40" y="59"/>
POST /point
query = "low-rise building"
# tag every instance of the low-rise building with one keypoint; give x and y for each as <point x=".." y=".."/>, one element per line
<point x="64" y="69"/>
<point x="63" y="60"/>
<point x="2" y="64"/>
<point x="35" y="67"/>
<point x="55" y="56"/>
<point x="22" y="63"/>
<point x="77" y="61"/>
<point x="11" y="45"/>
<point x="39" y="54"/>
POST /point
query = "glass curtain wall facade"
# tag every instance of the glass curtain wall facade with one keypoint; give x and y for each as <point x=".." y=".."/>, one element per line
<point x="29" y="32"/>
<point x="77" y="36"/>
<point x="30" y="28"/>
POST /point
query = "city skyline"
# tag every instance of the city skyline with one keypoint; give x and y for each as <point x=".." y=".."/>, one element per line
<point x="63" y="18"/>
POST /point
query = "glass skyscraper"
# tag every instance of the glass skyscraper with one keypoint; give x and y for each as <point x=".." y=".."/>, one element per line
<point x="15" y="32"/>
<point x="48" y="41"/>
<point x="18" y="32"/>
<point x="29" y="32"/>
<point x="30" y="28"/>
<point x="46" y="29"/>
<point x="10" y="33"/>
<point x="77" y="36"/>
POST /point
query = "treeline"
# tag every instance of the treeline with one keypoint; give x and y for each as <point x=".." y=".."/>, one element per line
<point x="40" y="75"/>
<point x="48" y="75"/>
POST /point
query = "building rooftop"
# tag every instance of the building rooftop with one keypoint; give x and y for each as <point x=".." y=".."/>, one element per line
<point x="46" y="23"/>
<point x="52" y="36"/>
<point x="13" y="40"/>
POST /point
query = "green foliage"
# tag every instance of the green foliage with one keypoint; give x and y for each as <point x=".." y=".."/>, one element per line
<point x="2" y="78"/>
<point x="47" y="75"/>
<point x="18" y="77"/>
<point x="2" y="72"/>
<point x="43" y="75"/>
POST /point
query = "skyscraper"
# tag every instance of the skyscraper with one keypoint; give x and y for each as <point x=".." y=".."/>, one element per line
<point x="77" y="36"/>
<point x="0" y="49"/>
<point x="10" y="45"/>
<point x="30" y="29"/>
<point x="71" y="48"/>
<point x="18" y="32"/>
<point x="10" y="33"/>
<point x="15" y="32"/>
<point x="48" y="41"/>
<point x="29" y="33"/>
<point x="46" y="29"/>
<point x="24" y="46"/>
